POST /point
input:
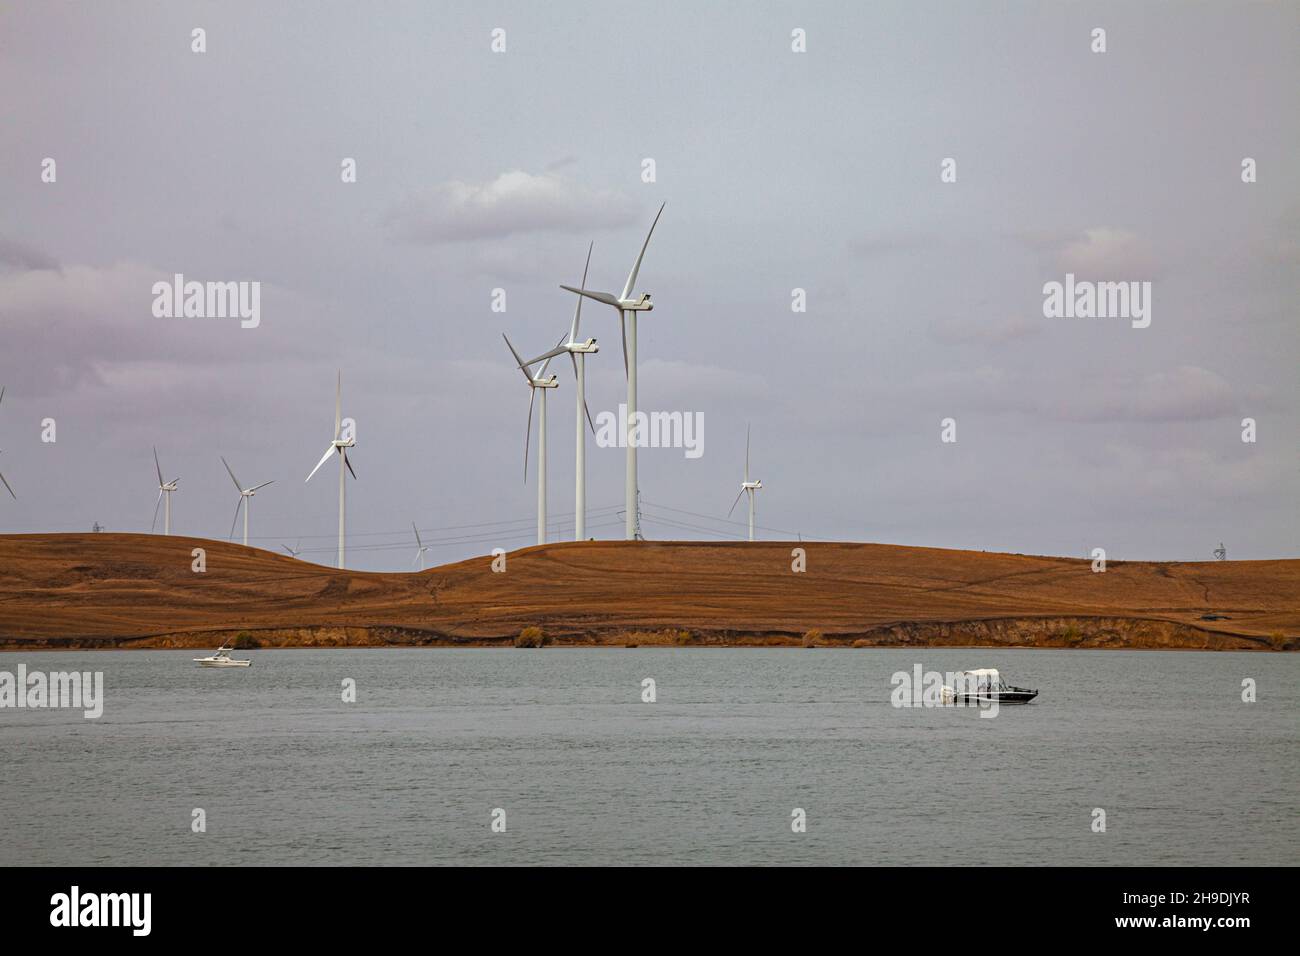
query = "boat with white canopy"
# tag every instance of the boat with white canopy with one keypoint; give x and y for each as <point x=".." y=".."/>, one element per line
<point x="222" y="658"/>
<point x="985" y="686"/>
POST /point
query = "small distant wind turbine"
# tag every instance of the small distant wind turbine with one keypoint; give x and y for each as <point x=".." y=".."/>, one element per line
<point x="421" y="548"/>
<point x="2" y="477"/>
<point x="747" y="486"/>
<point x="535" y="382"/>
<point x="244" y="494"/>
<point x="578" y="352"/>
<point x="628" y="308"/>
<point x="164" y="488"/>
<point x="293" y="552"/>
<point x="339" y="446"/>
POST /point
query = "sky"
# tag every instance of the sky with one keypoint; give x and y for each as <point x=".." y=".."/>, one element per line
<point x="821" y="171"/>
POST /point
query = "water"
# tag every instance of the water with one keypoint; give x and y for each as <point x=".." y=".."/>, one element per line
<point x="588" y="774"/>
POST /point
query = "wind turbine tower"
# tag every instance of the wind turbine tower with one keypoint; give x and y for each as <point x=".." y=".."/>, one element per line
<point x="540" y="380"/>
<point x="340" y="447"/>
<point x="165" y="488"/>
<point x="245" y="495"/>
<point x="578" y="352"/>
<point x="747" y="486"/>
<point x="627" y="308"/>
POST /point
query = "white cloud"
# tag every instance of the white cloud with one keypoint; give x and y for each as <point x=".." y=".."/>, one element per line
<point x="1105" y="253"/>
<point x="515" y="202"/>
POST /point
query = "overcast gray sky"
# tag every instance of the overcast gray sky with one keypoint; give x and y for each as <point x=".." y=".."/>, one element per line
<point x="781" y="170"/>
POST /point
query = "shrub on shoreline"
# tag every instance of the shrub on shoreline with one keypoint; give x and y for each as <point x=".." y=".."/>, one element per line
<point x="530" y="637"/>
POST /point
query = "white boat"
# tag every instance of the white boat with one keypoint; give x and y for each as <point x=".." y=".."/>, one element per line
<point x="985" y="686"/>
<point x="222" y="658"/>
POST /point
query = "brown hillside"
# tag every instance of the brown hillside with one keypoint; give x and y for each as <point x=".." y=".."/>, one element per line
<point x="138" y="590"/>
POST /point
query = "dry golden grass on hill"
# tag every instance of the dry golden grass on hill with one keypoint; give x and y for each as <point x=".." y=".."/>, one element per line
<point x="69" y="590"/>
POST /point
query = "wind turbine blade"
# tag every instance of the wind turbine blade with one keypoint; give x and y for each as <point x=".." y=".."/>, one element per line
<point x="347" y="462"/>
<point x="155" y="511"/>
<point x="2" y="393"/>
<point x="577" y="312"/>
<point x="157" y="466"/>
<point x="290" y="550"/>
<point x="262" y="485"/>
<point x="238" y="486"/>
<point x="418" y="542"/>
<point x="585" y="406"/>
<point x="6" y="484"/>
<point x="415" y="560"/>
<point x="631" y="278"/>
<point x="338" y="406"/>
<point x="544" y="356"/>
<point x="522" y="365"/>
<point x="622" y="327"/>
<point x="554" y="352"/>
<point x="323" y="458"/>
<point x="233" y="523"/>
<point x="598" y="296"/>
<point x="736" y="502"/>
<point x="747" y="453"/>
<point x="528" y="435"/>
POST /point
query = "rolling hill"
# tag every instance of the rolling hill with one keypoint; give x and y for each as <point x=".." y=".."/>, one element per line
<point x="130" y="590"/>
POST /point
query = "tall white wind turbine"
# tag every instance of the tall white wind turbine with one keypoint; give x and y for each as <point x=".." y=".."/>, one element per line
<point x="747" y="486"/>
<point x="535" y="382"/>
<point x="420" y="548"/>
<point x="578" y="352"/>
<point x="164" y="488"/>
<point x="2" y="477"/>
<point x="340" y="447"/>
<point x="628" y="307"/>
<point x="245" y="494"/>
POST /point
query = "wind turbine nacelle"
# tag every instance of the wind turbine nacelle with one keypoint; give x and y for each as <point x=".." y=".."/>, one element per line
<point x="551" y="382"/>
<point x="642" y="304"/>
<point x="751" y="485"/>
<point x="586" y="347"/>
<point x="345" y="443"/>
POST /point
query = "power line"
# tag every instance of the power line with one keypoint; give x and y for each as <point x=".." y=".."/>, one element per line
<point x="739" y="524"/>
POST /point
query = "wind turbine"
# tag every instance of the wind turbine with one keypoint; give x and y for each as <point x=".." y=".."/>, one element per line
<point x="747" y="485"/>
<point x="339" y="446"/>
<point x="578" y="352"/>
<point x="534" y="383"/>
<point x="293" y="552"/>
<point x="164" y="488"/>
<point x="244" y="494"/>
<point x="628" y="308"/>
<point x="2" y="477"/>
<point x="421" y="548"/>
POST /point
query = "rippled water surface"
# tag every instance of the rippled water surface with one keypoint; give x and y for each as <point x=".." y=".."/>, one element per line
<point x="587" y="773"/>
